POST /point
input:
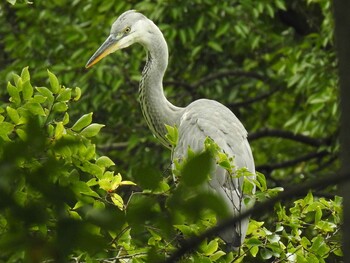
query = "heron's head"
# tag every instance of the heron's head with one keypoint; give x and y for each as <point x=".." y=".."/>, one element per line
<point x="129" y="28"/>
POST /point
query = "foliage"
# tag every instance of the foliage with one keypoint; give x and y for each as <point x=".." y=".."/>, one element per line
<point x="60" y="199"/>
<point x="271" y="62"/>
<point x="54" y="186"/>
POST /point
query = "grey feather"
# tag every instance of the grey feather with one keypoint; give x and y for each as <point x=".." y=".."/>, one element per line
<point x="199" y="120"/>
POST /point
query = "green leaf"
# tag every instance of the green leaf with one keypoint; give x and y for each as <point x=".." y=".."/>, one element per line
<point x="65" y="119"/>
<point x="254" y="251"/>
<point x="46" y="93"/>
<point x="309" y="199"/>
<point x="12" y="2"/>
<point x="60" y="107"/>
<point x="13" y="114"/>
<point x="196" y="170"/>
<point x="83" y="188"/>
<point x="22" y="134"/>
<point x="25" y="76"/>
<point x="59" y="130"/>
<point x="305" y="242"/>
<point x="92" y="169"/>
<point x="266" y="253"/>
<point x="215" y="256"/>
<point x="64" y="95"/>
<point x="91" y="130"/>
<point x="326" y="226"/>
<point x="83" y="121"/>
<point x="35" y="108"/>
<point x="104" y="162"/>
<point x="210" y="248"/>
<point x="318" y="215"/>
<point x="5" y="129"/>
<point x="215" y="46"/>
<point x="319" y="246"/>
<point x="125" y="182"/>
<point x="338" y="252"/>
<point x="38" y="99"/>
<point x="14" y="93"/>
<point x="27" y="90"/>
<point x="186" y="230"/>
<point x="76" y="93"/>
<point x="254" y="242"/>
<point x="55" y="85"/>
<point x="172" y="134"/>
<point x="110" y="181"/>
<point x="117" y="200"/>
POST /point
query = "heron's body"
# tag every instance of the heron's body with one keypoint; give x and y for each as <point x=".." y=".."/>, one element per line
<point x="201" y="119"/>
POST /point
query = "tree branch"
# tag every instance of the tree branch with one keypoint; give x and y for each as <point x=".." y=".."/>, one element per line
<point x="229" y="73"/>
<point x="253" y="100"/>
<point x="307" y="157"/>
<point x="258" y="209"/>
<point x="287" y="135"/>
<point x="188" y="87"/>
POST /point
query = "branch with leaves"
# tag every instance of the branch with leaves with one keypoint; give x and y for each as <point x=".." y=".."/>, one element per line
<point x="260" y="208"/>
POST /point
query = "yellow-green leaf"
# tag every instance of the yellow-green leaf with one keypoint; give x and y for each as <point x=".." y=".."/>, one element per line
<point x="65" y="118"/>
<point x="117" y="200"/>
<point x="77" y="93"/>
<point x="38" y="99"/>
<point x="35" y="109"/>
<point x="5" y="129"/>
<point x="13" y="114"/>
<point x="25" y="76"/>
<point x="46" y="93"/>
<point x="211" y="247"/>
<point x="22" y="134"/>
<point x="172" y="134"/>
<point x="91" y="130"/>
<point x="217" y="255"/>
<point x="64" y="95"/>
<point x="104" y="162"/>
<point x="127" y="183"/>
<point x="55" y="85"/>
<point x="59" y="130"/>
<point x="14" y="94"/>
<point x="60" y="106"/>
<point x="27" y="90"/>
<point x="83" y="121"/>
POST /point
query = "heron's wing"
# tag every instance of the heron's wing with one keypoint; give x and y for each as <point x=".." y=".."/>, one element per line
<point x="207" y="118"/>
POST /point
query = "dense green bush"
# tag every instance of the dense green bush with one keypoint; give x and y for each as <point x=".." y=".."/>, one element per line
<point x="60" y="200"/>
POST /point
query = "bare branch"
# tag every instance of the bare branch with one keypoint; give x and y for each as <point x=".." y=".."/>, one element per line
<point x="287" y="135"/>
<point x="307" y="157"/>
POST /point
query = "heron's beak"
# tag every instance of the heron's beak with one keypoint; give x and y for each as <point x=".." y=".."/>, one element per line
<point x="109" y="46"/>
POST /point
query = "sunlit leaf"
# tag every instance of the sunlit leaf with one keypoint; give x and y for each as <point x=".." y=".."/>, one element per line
<point x="83" y="121"/>
<point x="54" y="84"/>
<point x="91" y="130"/>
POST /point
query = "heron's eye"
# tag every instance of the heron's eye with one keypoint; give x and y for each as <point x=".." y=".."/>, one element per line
<point x="127" y="30"/>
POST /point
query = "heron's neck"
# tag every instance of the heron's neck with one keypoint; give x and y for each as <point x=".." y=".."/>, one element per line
<point x="156" y="109"/>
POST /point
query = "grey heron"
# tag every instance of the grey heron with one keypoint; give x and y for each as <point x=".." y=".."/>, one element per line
<point x="201" y="119"/>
